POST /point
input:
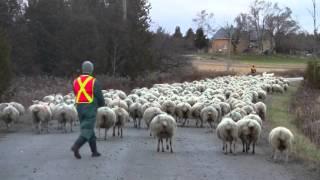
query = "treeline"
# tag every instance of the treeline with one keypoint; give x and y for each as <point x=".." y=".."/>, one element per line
<point x="53" y="37"/>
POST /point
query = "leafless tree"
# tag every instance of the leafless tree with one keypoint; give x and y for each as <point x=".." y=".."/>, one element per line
<point x="279" y="23"/>
<point x="314" y="15"/>
<point x="258" y="14"/>
<point x="205" y="21"/>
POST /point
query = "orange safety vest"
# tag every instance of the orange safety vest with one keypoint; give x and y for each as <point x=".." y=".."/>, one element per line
<point x="83" y="89"/>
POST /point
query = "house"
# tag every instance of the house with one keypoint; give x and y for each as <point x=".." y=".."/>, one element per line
<point x="221" y="43"/>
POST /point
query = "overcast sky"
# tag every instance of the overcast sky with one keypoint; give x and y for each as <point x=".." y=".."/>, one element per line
<point x="170" y="13"/>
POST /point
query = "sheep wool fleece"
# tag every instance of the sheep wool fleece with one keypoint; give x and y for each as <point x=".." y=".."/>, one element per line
<point x="87" y="113"/>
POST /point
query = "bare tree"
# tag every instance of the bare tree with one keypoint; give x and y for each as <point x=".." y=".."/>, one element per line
<point x="279" y="23"/>
<point x="205" y="21"/>
<point x="314" y="15"/>
<point x="259" y="11"/>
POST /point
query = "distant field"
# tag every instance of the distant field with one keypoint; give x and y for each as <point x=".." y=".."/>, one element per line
<point x="258" y="59"/>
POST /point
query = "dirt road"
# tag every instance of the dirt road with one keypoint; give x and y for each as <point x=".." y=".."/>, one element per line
<point x="198" y="155"/>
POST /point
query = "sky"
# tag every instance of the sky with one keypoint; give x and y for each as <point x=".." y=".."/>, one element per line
<point x="171" y="13"/>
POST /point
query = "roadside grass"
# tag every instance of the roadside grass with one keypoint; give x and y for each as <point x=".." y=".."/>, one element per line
<point x="280" y="114"/>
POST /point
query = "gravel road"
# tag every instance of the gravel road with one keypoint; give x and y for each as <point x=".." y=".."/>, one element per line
<point x="198" y="155"/>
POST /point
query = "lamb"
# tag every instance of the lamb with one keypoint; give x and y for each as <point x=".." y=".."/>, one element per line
<point x="106" y="118"/>
<point x="41" y="114"/>
<point x="122" y="118"/>
<point x="281" y="139"/>
<point x="261" y="110"/>
<point x="9" y="115"/>
<point x="65" y="113"/>
<point x="209" y="114"/>
<point x="227" y="131"/>
<point x="135" y="111"/>
<point x="163" y="126"/>
<point x="249" y="132"/>
<point x="150" y="113"/>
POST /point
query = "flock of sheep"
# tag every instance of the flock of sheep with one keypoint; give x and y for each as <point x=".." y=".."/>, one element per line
<point x="232" y="105"/>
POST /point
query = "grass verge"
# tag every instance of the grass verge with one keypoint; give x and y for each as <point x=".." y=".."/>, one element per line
<point x="280" y="115"/>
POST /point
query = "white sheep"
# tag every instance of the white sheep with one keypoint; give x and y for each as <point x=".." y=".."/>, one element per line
<point x="150" y="113"/>
<point x="196" y="110"/>
<point x="135" y="111"/>
<point x="163" y="126"/>
<point x="169" y="107"/>
<point x="227" y="131"/>
<point x="19" y="107"/>
<point x="183" y="111"/>
<point x="41" y="114"/>
<point x="122" y="118"/>
<point x="9" y="115"/>
<point x="65" y="113"/>
<point x="281" y="139"/>
<point x="277" y="88"/>
<point x="119" y="103"/>
<point x="106" y="118"/>
<point x="209" y="114"/>
<point x="249" y="132"/>
<point x="261" y="110"/>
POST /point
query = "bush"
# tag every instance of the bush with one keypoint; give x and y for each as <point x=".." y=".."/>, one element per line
<point x="312" y="73"/>
<point x="5" y="72"/>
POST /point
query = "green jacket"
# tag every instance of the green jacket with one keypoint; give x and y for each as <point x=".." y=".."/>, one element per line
<point x="87" y="113"/>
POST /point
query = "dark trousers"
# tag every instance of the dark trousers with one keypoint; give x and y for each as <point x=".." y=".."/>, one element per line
<point x="92" y="143"/>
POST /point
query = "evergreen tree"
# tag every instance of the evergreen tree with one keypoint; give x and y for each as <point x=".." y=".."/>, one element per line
<point x="190" y="34"/>
<point x="177" y="33"/>
<point x="201" y="40"/>
<point x="5" y="72"/>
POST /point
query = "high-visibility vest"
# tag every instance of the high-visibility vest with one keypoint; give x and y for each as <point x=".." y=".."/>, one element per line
<point x="83" y="89"/>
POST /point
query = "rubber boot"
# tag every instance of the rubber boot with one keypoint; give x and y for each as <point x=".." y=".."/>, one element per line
<point x="93" y="147"/>
<point x="77" y="145"/>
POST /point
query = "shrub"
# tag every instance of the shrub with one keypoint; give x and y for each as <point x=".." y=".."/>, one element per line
<point x="312" y="73"/>
<point x="5" y="72"/>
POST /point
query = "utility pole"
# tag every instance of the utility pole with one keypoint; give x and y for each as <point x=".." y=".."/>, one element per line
<point x="124" y="6"/>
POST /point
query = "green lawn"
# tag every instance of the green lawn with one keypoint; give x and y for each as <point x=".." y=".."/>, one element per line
<point x="279" y="115"/>
<point x="259" y="59"/>
<point x="275" y="59"/>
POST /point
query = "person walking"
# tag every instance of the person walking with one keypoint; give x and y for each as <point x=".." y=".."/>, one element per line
<point x="89" y="98"/>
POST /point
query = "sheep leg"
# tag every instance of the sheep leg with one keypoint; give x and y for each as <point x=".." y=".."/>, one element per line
<point x="275" y="155"/>
<point x="139" y="123"/>
<point x="118" y="130"/>
<point x="201" y="124"/>
<point x="99" y="132"/>
<point x="114" y="131"/>
<point x="71" y="126"/>
<point x="158" y="148"/>
<point x="243" y="146"/>
<point x="171" y="150"/>
<point x="184" y="122"/>
<point x="105" y="134"/>
<point x="162" y="145"/>
<point x="253" y="147"/>
<point x="230" y="146"/>
<point x="167" y="142"/>
<point x="226" y="148"/>
<point x="121" y="132"/>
